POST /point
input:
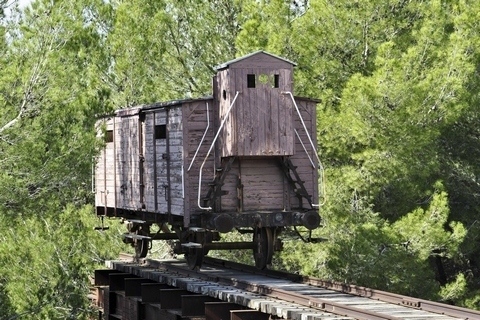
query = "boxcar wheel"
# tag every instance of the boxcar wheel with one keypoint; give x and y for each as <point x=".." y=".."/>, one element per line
<point x="194" y="258"/>
<point x="141" y="245"/>
<point x="262" y="247"/>
<point x="141" y="248"/>
<point x="194" y="255"/>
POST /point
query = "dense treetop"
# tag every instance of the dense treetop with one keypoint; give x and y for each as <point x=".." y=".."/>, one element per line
<point x="398" y="132"/>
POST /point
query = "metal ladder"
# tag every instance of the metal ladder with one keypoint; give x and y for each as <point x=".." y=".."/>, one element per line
<point x="215" y="190"/>
<point x="295" y="181"/>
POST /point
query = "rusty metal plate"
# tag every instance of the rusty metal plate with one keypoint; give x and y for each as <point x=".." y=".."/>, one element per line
<point x="194" y="305"/>
<point x="220" y="310"/>
<point x="150" y="292"/>
<point x="133" y="286"/>
<point x="248" y="315"/>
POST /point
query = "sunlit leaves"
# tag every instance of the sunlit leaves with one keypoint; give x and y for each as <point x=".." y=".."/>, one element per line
<point x="50" y="260"/>
<point x="398" y="82"/>
<point x="164" y="50"/>
<point x="50" y="94"/>
<point x="398" y="129"/>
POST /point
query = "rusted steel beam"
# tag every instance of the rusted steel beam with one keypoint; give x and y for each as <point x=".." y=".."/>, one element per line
<point x="151" y="292"/>
<point x="117" y="281"/>
<point x="106" y="301"/>
<point x="133" y="286"/>
<point x="194" y="305"/>
<point x="133" y="308"/>
<point x="102" y="277"/>
<point x="172" y="298"/>
<point x="248" y="315"/>
<point x="154" y="312"/>
<point x="220" y="310"/>
<point x="116" y="304"/>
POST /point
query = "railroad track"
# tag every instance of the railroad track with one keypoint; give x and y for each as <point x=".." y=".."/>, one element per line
<point x="227" y="290"/>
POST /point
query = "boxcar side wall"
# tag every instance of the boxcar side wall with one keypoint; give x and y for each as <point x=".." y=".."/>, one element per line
<point x="259" y="183"/>
<point x="155" y="165"/>
<point x="127" y="157"/>
<point x="165" y="143"/>
<point x="196" y="126"/>
<point x="175" y="155"/>
<point x="163" y="173"/>
<point x="104" y="170"/>
<point x="259" y="123"/>
<point x="305" y="168"/>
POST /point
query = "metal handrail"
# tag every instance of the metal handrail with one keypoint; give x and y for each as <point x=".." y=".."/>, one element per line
<point x="210" y="150"/>
<point x="201" y="141"/>
<point x="305" y="127"/>
<point x="304" y="148"/>
<point x="320" y="166"/>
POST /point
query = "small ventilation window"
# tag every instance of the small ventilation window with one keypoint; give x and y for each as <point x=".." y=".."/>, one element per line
<point x="276" y="81"/>
<point x="161" y="131"/>
<point x="250" y="81"/>
<point x="109" y="136"/>
<point x="224" y="95"/>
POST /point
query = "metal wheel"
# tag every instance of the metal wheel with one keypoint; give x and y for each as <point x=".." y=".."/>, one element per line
<point x="194" y="254"/>
<point x="194" y="258"/>
<point x="262" y="247"/>
<point x="141" y="245"/>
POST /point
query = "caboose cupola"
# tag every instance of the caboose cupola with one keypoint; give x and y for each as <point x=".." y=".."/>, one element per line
<point x="260" y="120"/>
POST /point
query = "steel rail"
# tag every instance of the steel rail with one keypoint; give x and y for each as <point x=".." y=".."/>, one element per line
<point x="308" y="301"/>
<point x="276" y="293"/>
<point x="420" y="304"/>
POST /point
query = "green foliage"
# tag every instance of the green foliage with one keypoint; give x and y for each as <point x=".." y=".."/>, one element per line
<point x="162" y="50"/>
<point x="424" y="230"/>
<point x="394" y="120"/>
<point x="265" y="25"/>
<point x="398" y="132"/>
<point x="455" y="290"/>
<point x="50" y="98"/>
<point x="47" y="262"/>
<point x="50" y="94"/>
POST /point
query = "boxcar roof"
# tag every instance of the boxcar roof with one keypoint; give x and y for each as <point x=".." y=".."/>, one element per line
<point x="166" y="104"/>
<point x="307" y="99"/>
<point x="157" y="105"/>
<point x="228" y="63"/>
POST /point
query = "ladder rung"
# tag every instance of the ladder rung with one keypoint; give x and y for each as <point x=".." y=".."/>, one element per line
<point x="298" y="181"/>
<point x="302" y="193"/>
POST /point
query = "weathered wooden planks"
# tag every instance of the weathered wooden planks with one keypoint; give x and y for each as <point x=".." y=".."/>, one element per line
<point x="149" y="165"/>
<point x="260" y="122"/>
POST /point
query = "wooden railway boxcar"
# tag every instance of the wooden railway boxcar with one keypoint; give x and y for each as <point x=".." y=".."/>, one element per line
<point x="243" y="158"/>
